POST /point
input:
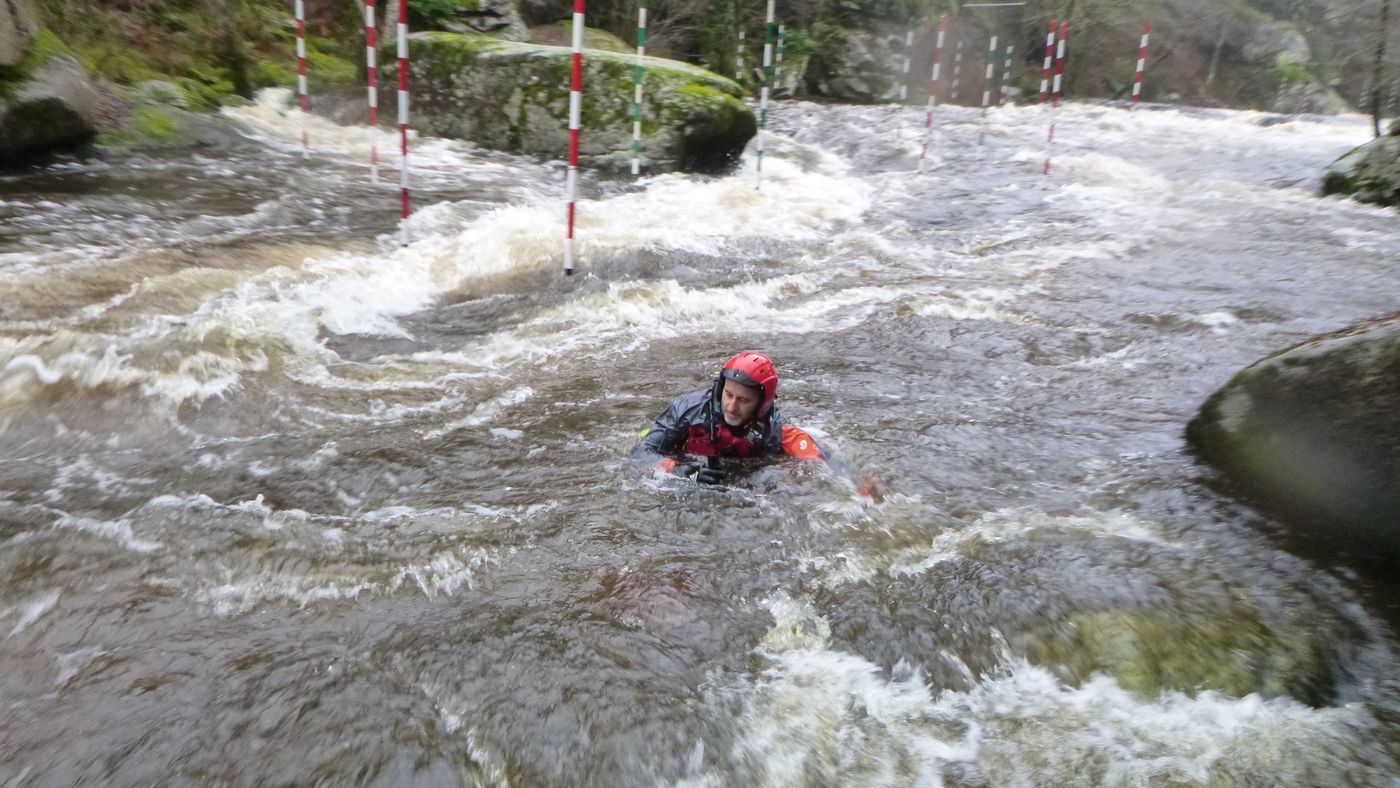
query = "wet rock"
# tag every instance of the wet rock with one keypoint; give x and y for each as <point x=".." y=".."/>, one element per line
<point x="515" y="97"/>
<point x="1224" y="651"/>
<point x="47" y="103"/>
<point x="1156" y="617"/>
<point x="1370" y="173"/>
<point x="1313" y="434"/>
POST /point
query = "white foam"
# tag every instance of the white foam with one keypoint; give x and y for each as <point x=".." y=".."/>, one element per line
<point x="31" y="611"/>
<point x="119" y="531"/>
<point x="1003" y="525"/>
<point x="828" y="716"/>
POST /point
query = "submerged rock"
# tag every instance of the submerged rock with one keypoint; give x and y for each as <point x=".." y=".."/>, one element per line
<point x="515" y="97"/>
<point x="1313" y="433"/>
<point x="1370" y="173"/>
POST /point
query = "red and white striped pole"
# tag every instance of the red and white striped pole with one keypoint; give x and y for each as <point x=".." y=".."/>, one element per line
<point x="301" y="75"/>
<point x="1049" y="59"/>
<point x="933" y="87"/>
<point x="403" y="121"/>
<point x="372" y="72"/>
<point x="1055" y="91"/>
<point x="575" y="113"/>
<point x="1141" y="64"/>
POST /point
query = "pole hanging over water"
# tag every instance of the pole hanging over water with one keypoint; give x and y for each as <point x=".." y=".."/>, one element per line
<point x="1141" y="64"/>
<point x="739" y="54"/>
<point x="933" y="88"/>
<point x="1006" y="74"/>
<point x="1055" y="92"/>
<point x="1049" y="59"/>
<point x="769" y="33"/>
<point x="637" y="91"/>
<point x="300" y="13"/>
<point x="575" y="113"/>
<point x="987" y="81"/>
<point x="778" y="58"/>
<point x="403" y="121"/>
<point x="371" y="73"/>
<point x="957" y="69"/>
<point x="904" y="80"/>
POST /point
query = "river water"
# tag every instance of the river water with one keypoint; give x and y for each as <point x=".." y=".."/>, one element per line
<point x="283" y="502"/>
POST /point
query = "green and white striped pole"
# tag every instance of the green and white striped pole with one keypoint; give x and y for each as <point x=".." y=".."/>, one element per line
<point x="739" y="56"/>
<point x="1006" y="74"/>
<point x="778" y="59"/>
<point x="904" y="78"/>
<point x="637" y="93"/>
<point x="769" y="33"/>
<point x="987" y="82"/>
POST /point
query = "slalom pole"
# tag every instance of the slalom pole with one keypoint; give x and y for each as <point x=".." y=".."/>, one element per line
<point x="768" y="35"/>
<point x="1049" y="58"/>
<point x="1141" y="64"/>
<point x="1055" y="91"/>
<point x="778" y="62"/>
<point x="301" y="76"/>
<point x="987" y="82"/>
<point x="739" y="59"/>
<point x="373" y="76"/>
<point x="957" y="70"/>
<point x="1006" y="74"/>
<point x="933" y="87"/>
<point x="904" y="81"/>
<point x="403" y="121"/>
<point x="575" y="113"/>
<point x="637" y="93"/>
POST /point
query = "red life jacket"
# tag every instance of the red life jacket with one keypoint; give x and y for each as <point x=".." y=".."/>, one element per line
<point x="725" y="443"/>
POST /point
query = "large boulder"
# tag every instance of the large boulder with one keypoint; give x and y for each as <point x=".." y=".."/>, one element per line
<point x="515" y="97"/>
<point x="1313" y="434"/>
<point x="1370" y="173"/>
<point x="851" y="65"/>
<point x="47" y="102"/>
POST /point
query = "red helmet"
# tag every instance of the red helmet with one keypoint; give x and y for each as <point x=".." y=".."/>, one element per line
<point x="756" y="370"/>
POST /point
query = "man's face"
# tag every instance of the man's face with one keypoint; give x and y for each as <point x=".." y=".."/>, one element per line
<point x="739" y="402"/>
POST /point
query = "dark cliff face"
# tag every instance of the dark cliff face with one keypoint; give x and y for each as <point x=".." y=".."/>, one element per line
<point x="1313" y="435"/>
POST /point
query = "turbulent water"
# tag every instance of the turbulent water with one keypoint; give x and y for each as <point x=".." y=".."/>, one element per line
<point x="284" y="502"/>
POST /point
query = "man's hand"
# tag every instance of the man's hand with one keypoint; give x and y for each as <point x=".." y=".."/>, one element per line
<point x="700" y="473"/>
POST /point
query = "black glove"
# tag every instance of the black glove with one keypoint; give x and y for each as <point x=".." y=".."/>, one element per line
<point x="700" y="473"/>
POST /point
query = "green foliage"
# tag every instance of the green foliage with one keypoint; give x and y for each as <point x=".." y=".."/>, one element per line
<point x="330" y="68"/>
<point x="435" y="14"/>
<point x="1291" y="72"/>
<point x="152" y="123"/>
<point x="797" y="43"/>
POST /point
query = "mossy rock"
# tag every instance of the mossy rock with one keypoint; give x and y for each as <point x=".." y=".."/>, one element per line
<point x="562" y="34"/>
<point x="1152" y="651"/>
<point x="1370" y="173"/>
<point x="1313" y="434"/>
<point x="515" y="97"/>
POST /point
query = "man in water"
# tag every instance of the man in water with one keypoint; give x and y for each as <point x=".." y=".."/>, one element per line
<point x="734" y="418"/>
